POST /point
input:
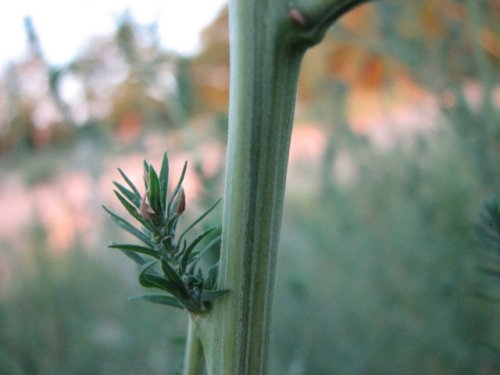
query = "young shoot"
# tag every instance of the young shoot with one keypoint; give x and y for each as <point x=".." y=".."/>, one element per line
<point x="168" y="260"/>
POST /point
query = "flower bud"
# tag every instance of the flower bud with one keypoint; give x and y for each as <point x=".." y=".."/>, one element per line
<point x="181" y="202"/>
<point x="146" y="211"/>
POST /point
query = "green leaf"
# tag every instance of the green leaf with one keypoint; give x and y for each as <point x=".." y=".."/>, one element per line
<point x="135" y="249"/>
<point x="133" y="211"/>
<point x="129" y="183"/>
<point x="198" y="255"/>
<point x="211" y="295"/>
<point x="199" y="274"/>
<point x="172" y="223"/>
<point x="174" y="278"/>
<point x="161" y="299"/>
<point x="214" y="242"/>
<point x="135" y="257"/>
<point x="129" y="227"/>
<point x="211" y="280"/>
<point x="213" y="271"/>
<point x="154" y="191"/>
<point x="164" y="182"/>
<point x="130" y="195"/>
<point x="150" y="279"/>
<point x="186" y="256"/>
<point x="180" y="250"/>
<point x="146" y="177"/>
<point x="177" y="188"/>
<point x="199" y="219"/>
<point x="167" y="246"/>
<point x="146" y="167"/>
<point x="147" y="267"/>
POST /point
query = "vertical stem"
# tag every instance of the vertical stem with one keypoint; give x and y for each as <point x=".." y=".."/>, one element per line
<point x="268" y="40"/>
<point x="193" y="355"/>
<point x="263" y="84"/>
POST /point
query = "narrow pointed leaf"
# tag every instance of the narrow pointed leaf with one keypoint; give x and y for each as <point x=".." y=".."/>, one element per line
<point x="187" y="253"/>
<point x="191" y="267"/>
<point x="125" y="225"/>
<point x="202" y="216"/>
<point x="172" y="223"/>
<point x="130" y="195"/>
<point x="167" y="248"/>
<point x="135" y="249"/>
<point x="154" y="191"/>
<point x="135" y="257"/>
<point x="129" y="183"/>
<point x="174" y="278"/>
<point x="161" y="299"/>
<point x="145" y="176"/>
<point x="196" y="257"/>
<point x="150" y="279"/>
<point x="133" y="212"/>
<point x="213" y="271"/>
<point x="181" y="250"/>
<point x="147" y="167"/>
<point x="211" y="280"/>
<point x="164" y="182"/>
<point x="177" y="188"/>
<point x="147" y="267"/>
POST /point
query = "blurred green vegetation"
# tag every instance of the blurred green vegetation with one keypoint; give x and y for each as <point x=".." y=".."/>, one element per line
<point x="377" y="270"/>
<point x="69" y="315"/>
<point x="380" y="278"/>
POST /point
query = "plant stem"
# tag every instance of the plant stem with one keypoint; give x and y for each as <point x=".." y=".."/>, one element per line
<point x="263" y="82"/>
<point x="193" y="355"/>
<point x="268" y="40"/>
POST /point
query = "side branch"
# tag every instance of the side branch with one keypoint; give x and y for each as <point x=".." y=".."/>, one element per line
<point x="312" y="18"/>
<point x="193" y="356"/>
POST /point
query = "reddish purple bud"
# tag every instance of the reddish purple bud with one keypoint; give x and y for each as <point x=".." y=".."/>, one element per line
<point x="146" y="211"/>
<point x="181" y="205"/>
<point x="297" y="16"/>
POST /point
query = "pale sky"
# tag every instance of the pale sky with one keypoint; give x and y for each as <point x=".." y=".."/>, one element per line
<point x="64" y="26"/>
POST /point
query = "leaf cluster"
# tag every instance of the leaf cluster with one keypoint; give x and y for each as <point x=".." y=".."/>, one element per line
<point x="168" y="261"/>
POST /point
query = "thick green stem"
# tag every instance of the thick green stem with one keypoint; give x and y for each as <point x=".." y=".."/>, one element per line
<point x="193" y="355"/>
<point x="264" y="73"/>
<point x="268" y="40"/>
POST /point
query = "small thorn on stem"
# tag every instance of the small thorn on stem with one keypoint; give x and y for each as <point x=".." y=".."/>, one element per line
<point x="297" y="16"/>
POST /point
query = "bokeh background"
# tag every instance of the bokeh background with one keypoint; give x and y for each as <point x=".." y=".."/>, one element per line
<point x="395" y="148"/>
